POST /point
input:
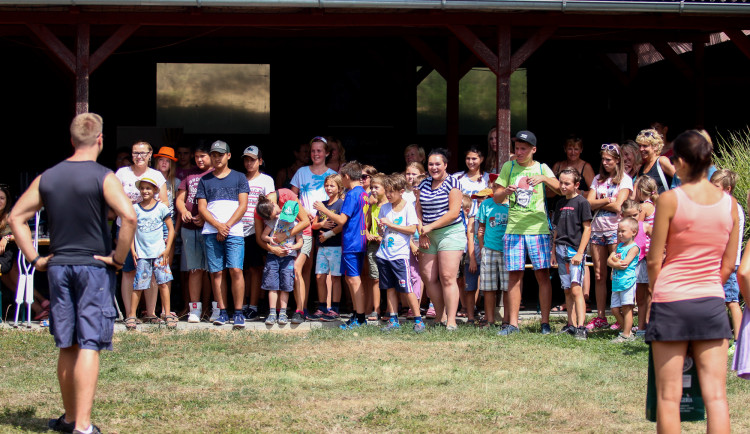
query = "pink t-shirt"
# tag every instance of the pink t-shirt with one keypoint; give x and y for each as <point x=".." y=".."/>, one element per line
<point x="695" y="247"/>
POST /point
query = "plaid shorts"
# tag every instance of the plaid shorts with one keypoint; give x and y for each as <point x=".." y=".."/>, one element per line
<point x="516" y="246"/>
<point x="493" y="275"/>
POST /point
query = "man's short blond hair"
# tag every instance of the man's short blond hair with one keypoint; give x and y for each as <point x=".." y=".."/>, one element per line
<point x="85" y="129"/>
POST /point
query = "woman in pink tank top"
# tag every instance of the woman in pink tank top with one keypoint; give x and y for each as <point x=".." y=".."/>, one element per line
<point x="688" y="299"/>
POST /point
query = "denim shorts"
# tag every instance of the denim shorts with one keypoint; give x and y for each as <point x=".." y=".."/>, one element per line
<point x="193" y="249"/>
<point x="516" y="246"/>
<point x="641" y="272"/>
<point x="623" y="298"/>
<point x="328" y="261"/>
<point x="732" y="289"/>
<point x="603" y="238"/>
<point x="278" y="273"/>
<point x="447" y="238"/>
<point x="472" y="279"/>
<point x="221" y="255"/>
<point x="568" y="272"/>
<point x="146" y="267"/>
<point x="82" y="310"/>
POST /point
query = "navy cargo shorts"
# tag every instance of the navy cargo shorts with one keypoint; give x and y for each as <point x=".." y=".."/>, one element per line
<point x="82" y="309"/>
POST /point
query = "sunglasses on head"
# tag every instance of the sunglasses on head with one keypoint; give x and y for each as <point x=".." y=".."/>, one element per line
<point x="319" y="139"/>
<point x="611" y="147"/>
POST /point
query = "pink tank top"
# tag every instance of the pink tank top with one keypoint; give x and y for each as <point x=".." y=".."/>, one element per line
<point x="695" y="247"/>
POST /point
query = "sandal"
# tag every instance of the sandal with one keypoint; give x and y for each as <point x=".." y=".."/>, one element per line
<point x="152" y="319"/>
<point x="559" y="308"/>
<point x="172" y="321"/>
<point x="373" y="316"/>
<point x="130" y="323"/>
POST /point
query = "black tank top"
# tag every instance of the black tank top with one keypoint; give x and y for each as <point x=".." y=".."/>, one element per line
<point x="583" y="185"/>
<point x="654" y="173"/>
<point x="73" y="195"/>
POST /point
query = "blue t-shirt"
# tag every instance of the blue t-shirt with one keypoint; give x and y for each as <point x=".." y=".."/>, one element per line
<point x="495" y="219"/>
<point x="622" y="280"/>
<point x="334" y="241"/>
<point x="149" y="237"/>
<point x="222" y="197"/>
<point x="353" y="235"/>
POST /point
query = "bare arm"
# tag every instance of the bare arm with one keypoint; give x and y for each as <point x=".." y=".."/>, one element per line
<point x="729" y="259"/>
<point x="616" y="204"/>
<point x="454" y="209"/>
<point x="588" y="174"/>
<point x="179" y="204"/>
<point x="666" y="206"/>
<point x="339" y="219"/>
<point x="163" y="196"/>
<point x="581" y="253"/>
<point x="667" y="166"/>
<point x="170" y="236"/>
<point x="240" y="211"/>
<point x="26" y="207"/>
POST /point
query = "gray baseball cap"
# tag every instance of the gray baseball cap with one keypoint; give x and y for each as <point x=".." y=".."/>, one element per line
<point x="252" y="151"/>
<point x="220" y="147"/>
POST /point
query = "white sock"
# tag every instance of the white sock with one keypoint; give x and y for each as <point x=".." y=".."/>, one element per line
<point x="88" y="430"/>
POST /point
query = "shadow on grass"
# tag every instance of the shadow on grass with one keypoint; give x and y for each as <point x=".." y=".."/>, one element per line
<point x="23" y="418"/>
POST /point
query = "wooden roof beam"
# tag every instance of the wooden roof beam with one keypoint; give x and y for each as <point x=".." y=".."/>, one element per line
<point x="666" y="50"/>
<point x="58" y="49"/>
<point x="530" y="46"/>
<point x="111" y="44"/>
<point x="429" y="55"/>
<point x="740" y="40"/>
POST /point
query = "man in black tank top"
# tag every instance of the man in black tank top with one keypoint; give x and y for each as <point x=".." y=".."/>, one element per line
<point x="77" y="194"/>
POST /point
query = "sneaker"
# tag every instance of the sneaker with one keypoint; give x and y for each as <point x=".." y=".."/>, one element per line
<point x="298" y="318"/>
<point x="569" y="329"/>
<point x="329" y="316"/>
<point x="410" y="314"/>
<point x="615" y="326"/>
<point x="60" y="425"/>
<point x="317" y="316"/>
<point x="250" y="314"/>
<point x="581" y="333"/>
<point x="419" y="327"/>
<point x="214" y="311"/>
<point x="94" y="430"/>
<point x="195" y="312"/>
<point x="622" y="338"/>
<point x="598" y="323"/>
<point x="508" y="330"/>
<point x="392" y="326"/>
<point x="640" y="334"/>
<point x="451" y="328"/>
<point x="431" y="312"/>
<point x="239" y="321"/>
<point x="352" y="323"/>
<point x="546" y="328"/>
<point x="271" y="319"/>
<point x="222" y="319"/>
<point x="283" y="319"/>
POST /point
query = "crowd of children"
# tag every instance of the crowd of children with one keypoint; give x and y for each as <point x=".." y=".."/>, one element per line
<point x="365" y="226"/>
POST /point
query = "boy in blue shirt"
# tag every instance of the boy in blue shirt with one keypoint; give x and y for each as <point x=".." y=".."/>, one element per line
<point x="623" y="262"/>
<point x="354" y="241"/>
<point x="572" y="220"/>
<point x="493" y="219"/>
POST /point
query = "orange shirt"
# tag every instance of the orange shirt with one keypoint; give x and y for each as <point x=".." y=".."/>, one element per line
<point x="697" y="239"/>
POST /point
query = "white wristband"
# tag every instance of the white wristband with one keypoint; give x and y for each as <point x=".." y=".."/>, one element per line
<point x="328" y="234"/>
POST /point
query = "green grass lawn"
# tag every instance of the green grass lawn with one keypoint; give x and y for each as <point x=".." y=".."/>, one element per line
<point x="333" y="381"/>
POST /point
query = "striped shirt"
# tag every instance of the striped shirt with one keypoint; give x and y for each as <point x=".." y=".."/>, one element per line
<point x="435" y="202"/>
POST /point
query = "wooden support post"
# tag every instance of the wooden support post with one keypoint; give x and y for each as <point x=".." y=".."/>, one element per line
<point x="699" y="49"/>
<point x="503" y="94"/>
<point x="451" y="111"/>
<point x="82" y="68"/>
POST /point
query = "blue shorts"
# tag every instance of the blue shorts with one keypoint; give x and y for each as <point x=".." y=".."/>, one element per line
<point x="351" y="263"/>
<point x="568" y="272"/>
<point x="603" y="238"/>
<point x="221" y="255"/>
<point x="732" y="289"/>
<point x="395" y="274"/>
<point x="328" y="261"/>
<point x="516" y="246"/>
<point x="82" y="310"/>
<point x="472" y="279"/>
<point x="193" y="249"/>
<point x="623" y="298"/>
<point x="145" y="268"/>
<point x="278" y="273"/>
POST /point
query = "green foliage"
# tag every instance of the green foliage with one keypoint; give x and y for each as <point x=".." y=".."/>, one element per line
<point x="733" y="152"/>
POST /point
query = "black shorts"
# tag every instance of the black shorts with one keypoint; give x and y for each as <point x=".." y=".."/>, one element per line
<point x="699" y="319"/>
<point x="255" y="255"/>
<point x="8" y="258"/>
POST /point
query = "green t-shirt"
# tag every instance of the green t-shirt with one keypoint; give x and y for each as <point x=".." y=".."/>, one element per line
<point x="530" y="219"/>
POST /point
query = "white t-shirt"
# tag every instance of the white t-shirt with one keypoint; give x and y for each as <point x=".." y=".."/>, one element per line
<point x="410" y="197"/>
<point x="128" y="179"/>
<point x="395" y="245"/>
<point x="607" y="220"/>
<point x="261" y="185"/>
<point x="470" y="187"/>
<point x="310" y="187"/>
